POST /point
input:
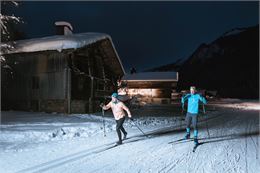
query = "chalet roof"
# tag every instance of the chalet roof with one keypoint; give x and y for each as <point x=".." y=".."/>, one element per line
<point x="57" y="42"/>
<point x="151" y="76"/>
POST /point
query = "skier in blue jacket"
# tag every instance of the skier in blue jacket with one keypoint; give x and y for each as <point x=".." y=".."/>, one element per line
<point x="192" y="112"/>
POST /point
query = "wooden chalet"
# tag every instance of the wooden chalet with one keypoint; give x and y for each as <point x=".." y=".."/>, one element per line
<point x="62" y="73"/>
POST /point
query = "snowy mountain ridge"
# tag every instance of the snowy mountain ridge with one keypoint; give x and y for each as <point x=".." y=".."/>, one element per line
<point x="234" y="31"/>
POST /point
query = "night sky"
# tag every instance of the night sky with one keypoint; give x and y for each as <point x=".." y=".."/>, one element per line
<point x="145" y="34"/>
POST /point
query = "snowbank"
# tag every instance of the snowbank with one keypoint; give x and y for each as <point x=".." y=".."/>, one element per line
<point x="42" y="127"/>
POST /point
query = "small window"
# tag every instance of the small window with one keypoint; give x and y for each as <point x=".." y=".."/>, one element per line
<point x="35" y="82"/>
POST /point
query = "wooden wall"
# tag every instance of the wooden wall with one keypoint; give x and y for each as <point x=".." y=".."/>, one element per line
<point x="68" y="81"/>
<point x="37" y="79"/>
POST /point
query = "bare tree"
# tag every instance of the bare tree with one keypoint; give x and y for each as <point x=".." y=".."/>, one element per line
<point x="7" y="20"/>
<point x="6" y="26"/>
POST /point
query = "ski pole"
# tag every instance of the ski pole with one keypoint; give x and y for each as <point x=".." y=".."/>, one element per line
<point x="182" y="112"/>
<point x="206" y="120"/>
<point x="182" y="107"/>
<point x="103" y="114"/>
<point x="140" y="129"/>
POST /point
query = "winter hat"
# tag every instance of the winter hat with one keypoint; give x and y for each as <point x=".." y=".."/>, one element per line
<point x="115" y="95"/>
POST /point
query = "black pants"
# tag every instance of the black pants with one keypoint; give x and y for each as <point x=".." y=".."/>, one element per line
<point x="120" y="128"/>
<point x="191" y="117"/>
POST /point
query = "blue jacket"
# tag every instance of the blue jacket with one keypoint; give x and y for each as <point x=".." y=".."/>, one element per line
<point x="193" y="102"/>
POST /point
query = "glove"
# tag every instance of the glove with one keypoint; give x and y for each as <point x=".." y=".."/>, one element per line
<point x="101" y="105"/>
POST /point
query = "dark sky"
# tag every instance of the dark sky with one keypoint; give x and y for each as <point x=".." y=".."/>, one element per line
<point x="145" y="34"/>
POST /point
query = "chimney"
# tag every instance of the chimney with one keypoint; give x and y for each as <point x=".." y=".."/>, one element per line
<point x="63" y="28"/>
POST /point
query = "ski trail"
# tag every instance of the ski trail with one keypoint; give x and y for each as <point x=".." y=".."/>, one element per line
<point x="246" y="146"/>
<point x="252" y="154"/>
<point x="255" y="144"/>
<point x="181" y="154"/>
<point x="153" y="152"/>
<point x="230" y="147"/>
<point x="173" y="162"/>
<point x="226" y="127"/>
<point x="193" y="160"/>
<point x="74" y="157"/>
<point x="59" y="162"/>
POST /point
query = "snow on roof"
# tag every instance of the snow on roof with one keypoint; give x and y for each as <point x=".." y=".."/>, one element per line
<point x="57" y="42"/>
<point x="152" y="76"/>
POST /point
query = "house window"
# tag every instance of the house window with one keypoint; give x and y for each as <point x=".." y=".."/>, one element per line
<point x="35" y="82"/>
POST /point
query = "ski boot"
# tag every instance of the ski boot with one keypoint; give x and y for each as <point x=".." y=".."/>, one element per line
<point x="196" y="142"/>
<point x="187" y="136"/>
<point x="118" y="142"/>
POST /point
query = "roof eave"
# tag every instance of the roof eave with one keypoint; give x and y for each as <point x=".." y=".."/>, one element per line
<point x="118" y="58"/>
<point x="154" y="80"/>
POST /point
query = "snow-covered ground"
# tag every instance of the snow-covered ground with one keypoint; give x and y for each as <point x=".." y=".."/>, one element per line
<point x="41" y="142"/>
